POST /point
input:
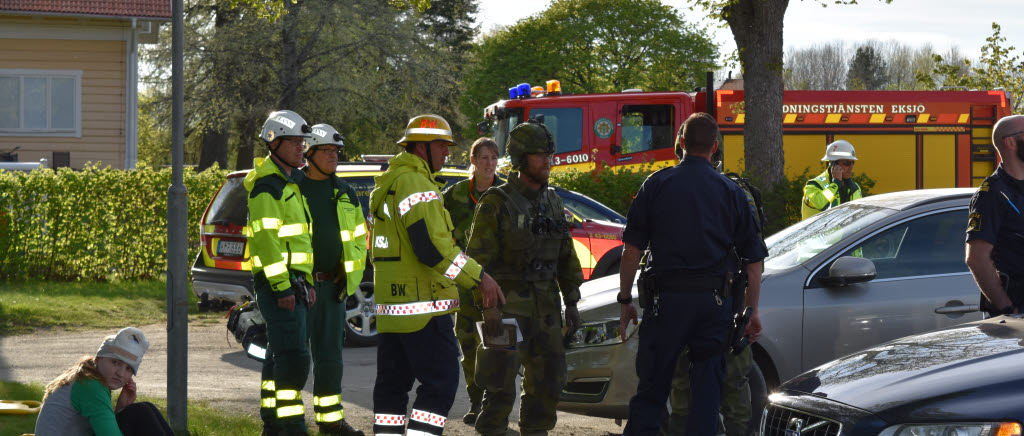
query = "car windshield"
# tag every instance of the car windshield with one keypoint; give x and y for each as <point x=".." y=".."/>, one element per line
<point x="805" y="239"/>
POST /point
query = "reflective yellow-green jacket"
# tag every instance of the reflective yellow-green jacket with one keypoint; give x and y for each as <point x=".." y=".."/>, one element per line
<point x="417" y="268"/>
<point x="352" y="223"/>
<point x="279" y="226"/>
<point x="821" y="193"/>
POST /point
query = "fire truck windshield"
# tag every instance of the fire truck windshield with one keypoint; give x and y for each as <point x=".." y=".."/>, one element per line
<point x="502" y="124"/>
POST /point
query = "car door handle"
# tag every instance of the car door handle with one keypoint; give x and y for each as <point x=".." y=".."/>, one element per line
<point x="966" y="308"/>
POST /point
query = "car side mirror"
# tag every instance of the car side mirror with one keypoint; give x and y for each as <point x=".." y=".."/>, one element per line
<point x="848" y="270"/>
<point x="483" y="128"/>
<point x="573" y="224"/>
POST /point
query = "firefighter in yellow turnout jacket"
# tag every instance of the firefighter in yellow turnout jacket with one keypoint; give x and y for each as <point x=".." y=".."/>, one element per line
<point x="417" y="272"/>
<point x="522" y="238"/>
<point x="834" y="186"/>
<point x="339" y="257"/>
<point x="282" y="267"/>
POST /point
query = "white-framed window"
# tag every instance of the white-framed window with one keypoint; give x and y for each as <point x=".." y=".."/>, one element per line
<point x="40" y="102"/>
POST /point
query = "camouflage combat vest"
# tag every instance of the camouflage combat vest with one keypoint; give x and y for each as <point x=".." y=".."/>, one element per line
<point x="532" y="236"/>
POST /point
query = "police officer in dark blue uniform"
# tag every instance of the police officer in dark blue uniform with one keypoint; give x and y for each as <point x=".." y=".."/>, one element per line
<point x="697" y="223"/>
<point x="995" y="227"/>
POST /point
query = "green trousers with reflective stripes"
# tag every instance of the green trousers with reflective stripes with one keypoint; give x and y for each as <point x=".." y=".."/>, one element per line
<point x="326" y="332"/>
<point x="735" y="406"/>
<point x="286" y="365"/>
<point x="465" y="331"/>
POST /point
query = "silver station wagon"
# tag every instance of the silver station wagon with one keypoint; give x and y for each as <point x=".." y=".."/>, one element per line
<point x="846" y="279"/>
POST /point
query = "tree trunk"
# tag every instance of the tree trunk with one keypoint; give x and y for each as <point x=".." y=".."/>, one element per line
<point x="215" y="147"/>
<point x="289" y="57"/>
<point x="243" y="159"/>
<point x="757" y="27"/>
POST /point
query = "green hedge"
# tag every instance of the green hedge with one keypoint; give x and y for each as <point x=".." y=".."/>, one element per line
<point x="616" y="187"/>
<point x="94" y="224"/>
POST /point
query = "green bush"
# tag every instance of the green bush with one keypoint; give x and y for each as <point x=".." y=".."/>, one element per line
<point x="616" y="187"/>
<point x="94" y="224"/>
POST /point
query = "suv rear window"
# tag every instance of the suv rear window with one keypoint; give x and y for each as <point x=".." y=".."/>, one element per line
<point x="231" y="205"/>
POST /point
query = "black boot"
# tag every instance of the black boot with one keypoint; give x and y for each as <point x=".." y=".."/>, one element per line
<point x="470" y="417"/>
<point x="340" y="428"/>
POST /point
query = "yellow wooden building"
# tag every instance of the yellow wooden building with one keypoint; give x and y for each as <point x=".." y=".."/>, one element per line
<point x="69" y="79"/>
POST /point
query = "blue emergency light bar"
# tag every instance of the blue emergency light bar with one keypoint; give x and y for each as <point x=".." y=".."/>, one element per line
<point x="521" y="90"/>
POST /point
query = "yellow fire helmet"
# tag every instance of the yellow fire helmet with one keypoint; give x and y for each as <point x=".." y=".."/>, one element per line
<point x="427" y="128"/>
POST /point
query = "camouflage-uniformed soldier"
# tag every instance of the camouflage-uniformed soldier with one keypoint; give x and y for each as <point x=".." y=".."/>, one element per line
<point x="735" y="404"/>
<point x="521" y="237"/>
<point x="461" y="199"/>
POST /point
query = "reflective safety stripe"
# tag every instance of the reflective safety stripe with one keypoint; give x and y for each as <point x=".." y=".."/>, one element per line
<point x="265" y="224"/>
<point x="350" y="266"/>
<point x="330" y="416"/>
<point x="427" y="417"/>
<point x="247" y="231"/>
<point x="301" y="258"/>
<point x="416" y="308"/>
<point x="348" y="235"/>
<point x="293" y="229"/>
<point x="828" y="195"/>
<point x="459" y="262"/>
<point x="275" y="269"/>
<point x="414" y="199"/>
<point x="385" y="419"/>
<point x="287" y="394"/>
<point x="296" y="258"/>
<point x="268" y="403"/>
<point x="428" y="131"/>
<point x="286" y="411"/>
<point x="268" y="385"/>
<point x="329" y="400"/>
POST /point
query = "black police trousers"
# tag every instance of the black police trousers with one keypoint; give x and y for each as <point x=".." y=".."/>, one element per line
<point x="694" y="319"/>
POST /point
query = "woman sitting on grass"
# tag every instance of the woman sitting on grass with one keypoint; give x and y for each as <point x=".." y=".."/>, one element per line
<point x="78" y="401"/>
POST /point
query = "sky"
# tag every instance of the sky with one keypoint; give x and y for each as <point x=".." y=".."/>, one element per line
<point x="943" y="23"/>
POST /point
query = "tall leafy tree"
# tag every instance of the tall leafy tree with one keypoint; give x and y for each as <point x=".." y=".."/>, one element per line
<point x="591" y="46"/>
<point x="363" y="66"/>
<point x="867" y="70"/>
<point x="757" y="27"/>
<point x="998" y="67"/>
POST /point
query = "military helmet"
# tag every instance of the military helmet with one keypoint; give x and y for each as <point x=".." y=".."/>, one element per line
<point x="526" y="138"/>
<point x="427" y="128"/>
<point x="324" y="134"/>
<point x="282" y="124"/>
<point x="839" y="150"/>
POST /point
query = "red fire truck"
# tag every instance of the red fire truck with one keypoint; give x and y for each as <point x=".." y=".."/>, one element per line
<point x="904" y="139"/>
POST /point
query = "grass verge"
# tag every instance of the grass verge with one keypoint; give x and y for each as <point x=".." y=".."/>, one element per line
<point x="203" y="420"/>
<point x="27" y="306"/>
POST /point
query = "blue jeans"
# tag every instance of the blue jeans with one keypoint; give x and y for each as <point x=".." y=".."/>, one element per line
<point x="693" y="319"/>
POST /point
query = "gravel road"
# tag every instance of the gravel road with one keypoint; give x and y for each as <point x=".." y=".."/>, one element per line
<point x="220" y="373"/>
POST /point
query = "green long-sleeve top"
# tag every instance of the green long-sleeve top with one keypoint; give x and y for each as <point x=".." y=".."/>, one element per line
<point x="80" y="408"/>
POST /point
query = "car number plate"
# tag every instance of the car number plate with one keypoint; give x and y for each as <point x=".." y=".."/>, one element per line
<point x="230" y="248"/>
